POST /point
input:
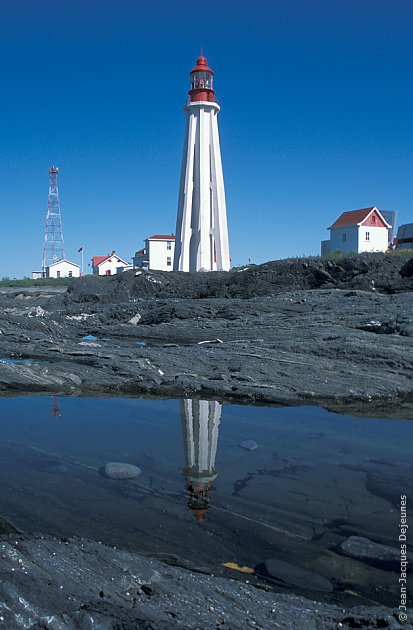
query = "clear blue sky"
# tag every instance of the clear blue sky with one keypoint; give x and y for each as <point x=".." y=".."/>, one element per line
<point x="316" y="118"/>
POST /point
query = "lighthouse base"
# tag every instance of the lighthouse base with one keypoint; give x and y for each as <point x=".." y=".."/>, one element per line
<point x="201" y="231"/>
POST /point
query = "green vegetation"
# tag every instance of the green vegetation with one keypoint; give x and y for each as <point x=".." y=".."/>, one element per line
<point x="40" y="282"/>
<point x="243" y="267"/>
<point x="401" y="253"/>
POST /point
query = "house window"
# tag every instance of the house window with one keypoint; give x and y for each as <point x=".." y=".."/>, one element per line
<point x="58" y="274"/>
<point x="169" y="261"/>
<point x="168" y="245"/>
<point x="344" y="236"/>
<point x="367" y="236"/>
<point x="373" y="218"/>
<point x="70" y="274"/>
<point x="108" y="272"/>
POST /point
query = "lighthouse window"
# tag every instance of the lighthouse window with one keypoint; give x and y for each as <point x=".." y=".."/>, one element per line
<point x="168" y="245"/>
<point x="169" y="261"/>
<point x="202" y="80"/>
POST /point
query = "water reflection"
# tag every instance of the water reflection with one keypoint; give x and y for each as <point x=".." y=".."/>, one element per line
<point x="315" y="480"/>
<point x="55" y="409"/>
<point x="200" y="425"/>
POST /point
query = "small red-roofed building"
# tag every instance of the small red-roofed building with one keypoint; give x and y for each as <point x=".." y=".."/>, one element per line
<point x="109" y="265"/>
<point x="158" y="253"/>
<point x="356" y="231"/>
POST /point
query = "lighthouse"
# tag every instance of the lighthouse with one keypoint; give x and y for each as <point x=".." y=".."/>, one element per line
<point x="200" y="426"/>
<point x="201" y="242"/>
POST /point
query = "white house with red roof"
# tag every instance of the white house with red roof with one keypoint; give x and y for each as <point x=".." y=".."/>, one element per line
<point x="158" y="253"/>
<point x="364" y="230"/>
<point x="109" y="265"/>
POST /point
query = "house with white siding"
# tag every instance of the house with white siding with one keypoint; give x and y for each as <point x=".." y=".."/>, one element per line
<point x="109" y="265"/>
<point x="63" y="269"/>
<point x="356" y="231"/>
<point x="158" y="253"/>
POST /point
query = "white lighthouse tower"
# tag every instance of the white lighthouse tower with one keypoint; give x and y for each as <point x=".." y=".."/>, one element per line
<point x="201" y="229"/>
<point x="200" y="425"/>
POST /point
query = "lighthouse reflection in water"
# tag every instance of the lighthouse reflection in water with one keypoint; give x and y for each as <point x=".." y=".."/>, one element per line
<point x="200" y="425"/>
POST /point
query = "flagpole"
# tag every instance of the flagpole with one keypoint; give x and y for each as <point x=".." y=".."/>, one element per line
<point x="80" y="250"/>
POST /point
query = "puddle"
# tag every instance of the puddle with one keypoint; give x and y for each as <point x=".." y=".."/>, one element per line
<point x="29" y="361"/>
<point x="218" y="484"/>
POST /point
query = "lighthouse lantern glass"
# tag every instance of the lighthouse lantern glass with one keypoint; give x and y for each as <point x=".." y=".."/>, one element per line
<point x="202" y="80"/>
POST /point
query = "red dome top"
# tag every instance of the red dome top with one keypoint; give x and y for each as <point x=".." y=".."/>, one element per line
<point x="201" y="65"/>
<point x="199" y="515"/>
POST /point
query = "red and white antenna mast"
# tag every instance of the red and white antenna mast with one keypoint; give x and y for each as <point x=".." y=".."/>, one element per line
<point x="53" y="248"/>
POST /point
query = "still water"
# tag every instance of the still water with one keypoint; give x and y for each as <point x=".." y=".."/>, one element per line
<point x="307" y="480"/>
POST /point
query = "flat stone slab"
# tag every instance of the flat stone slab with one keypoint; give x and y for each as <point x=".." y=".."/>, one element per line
<point x="364" y="549"/>
<point x="296" y="576"/>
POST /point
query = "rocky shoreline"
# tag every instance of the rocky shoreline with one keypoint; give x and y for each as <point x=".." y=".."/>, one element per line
<point x="333" y="333"/>
<point x="336" y="334"/>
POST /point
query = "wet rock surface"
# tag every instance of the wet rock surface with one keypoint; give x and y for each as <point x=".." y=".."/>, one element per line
<point x="70" y="584"/>
<point x="303" y="331"/>
<point x="287" y="573"/>
<point x="366" y="550"/>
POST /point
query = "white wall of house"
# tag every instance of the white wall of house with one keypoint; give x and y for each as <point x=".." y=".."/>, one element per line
<point x="63" y="269"/>
<point x="373" y="239"/>
<point x="355" y="238"/>
<point x="109" y="267"/>
<point x="161" y="254"/>
<point x="344" y="239"/>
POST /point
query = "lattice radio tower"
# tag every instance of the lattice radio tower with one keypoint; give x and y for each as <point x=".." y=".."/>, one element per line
<point x="53" y="248"/>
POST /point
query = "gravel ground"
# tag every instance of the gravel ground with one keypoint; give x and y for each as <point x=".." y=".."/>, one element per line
<point x="78" y="584"/>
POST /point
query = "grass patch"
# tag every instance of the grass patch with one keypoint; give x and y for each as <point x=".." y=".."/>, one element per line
<point x="39" y="282"/>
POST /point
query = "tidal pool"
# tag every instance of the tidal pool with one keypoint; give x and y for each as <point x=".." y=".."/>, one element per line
<point x="308" y="480"/>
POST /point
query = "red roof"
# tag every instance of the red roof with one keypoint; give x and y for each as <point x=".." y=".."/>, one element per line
<point x="96" y="260"/>
<point x="353" y="217"/>
<point x="201" y="66"/>
<point x="161" y="237"/>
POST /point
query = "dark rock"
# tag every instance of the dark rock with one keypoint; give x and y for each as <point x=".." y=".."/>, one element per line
<point x="406" y="270"/>
<point x="296" y="576"/>
<point x="381" y="328"/>
<point x="293" y="331"/>
<point x="6" y="527"/>
<point x="78" y="583"/>
<point x="367" y="550"/>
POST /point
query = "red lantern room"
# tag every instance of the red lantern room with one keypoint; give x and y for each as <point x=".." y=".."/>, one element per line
<point x="202" y="82"/>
